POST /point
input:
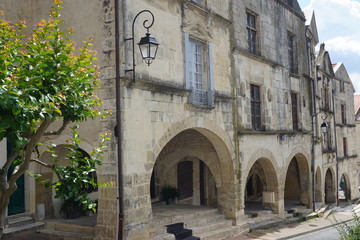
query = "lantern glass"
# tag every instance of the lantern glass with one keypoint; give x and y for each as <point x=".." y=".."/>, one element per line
<point x="148" y="48"/>
<point x="324" y="127"/>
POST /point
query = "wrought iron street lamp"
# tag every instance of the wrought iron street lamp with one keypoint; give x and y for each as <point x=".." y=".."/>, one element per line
<point x="324" y="127"/>
<point x="148" y="45"/>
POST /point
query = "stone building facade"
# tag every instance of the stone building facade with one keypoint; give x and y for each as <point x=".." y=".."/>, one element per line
<point x="228" y="112"/>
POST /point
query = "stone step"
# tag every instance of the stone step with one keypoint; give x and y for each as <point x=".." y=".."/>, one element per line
<point x="193" y="216"/>
<point x="67" y="235"/>
<point x="190" y="220"/>
<point x="206" y="219"/>
<point x="69" y="227"/>
<point x="30" y="226"/>
<point x="256" y="220"/>
<point x="222" y="233"/>
<point x="20" y="221"/>
<point x="165" y="236"/>
<point x="209" y="227"/>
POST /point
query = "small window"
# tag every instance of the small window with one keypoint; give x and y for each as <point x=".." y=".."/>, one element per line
<point x="342" y="86"/>
<point x="345" y="147"/>
<point x="328" y="140"/>
<point x="294" y="108"/>
<point x="251" y="32"/>
<point x="343" y="113"/>
<point x="291" y="53"/>
<point x="325" y="98"/>
<point x="255" y="107"/>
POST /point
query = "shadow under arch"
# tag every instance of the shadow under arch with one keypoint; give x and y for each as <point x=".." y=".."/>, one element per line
<point x="297" y="184"/>
<point x="261" y="189"/>
<point x="330" y="186"/>
<point x="207" y="149"/>
<point x="344" y="188"/>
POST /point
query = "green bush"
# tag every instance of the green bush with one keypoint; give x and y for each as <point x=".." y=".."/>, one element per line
<point x="350" y="230"/>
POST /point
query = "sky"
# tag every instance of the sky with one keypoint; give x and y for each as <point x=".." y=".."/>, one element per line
<point x="338" y="24"/>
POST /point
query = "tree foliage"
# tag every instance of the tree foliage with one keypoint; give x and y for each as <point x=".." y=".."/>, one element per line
<point x="75" y="178"/>
<point x="44" y="77"/>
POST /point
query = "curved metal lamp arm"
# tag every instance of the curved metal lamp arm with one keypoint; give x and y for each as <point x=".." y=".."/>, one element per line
<point x="133" y="33"/>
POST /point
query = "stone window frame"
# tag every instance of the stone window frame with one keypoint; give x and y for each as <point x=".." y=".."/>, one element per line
<point x="292" y="52"/>
<point x="295" y="110"/>
<point x="342" y="86"/>
<point x="255" y="107"/>
<point x="328" y="145"/>
<point x="345" y="147"/>
<point x="252" y="30"/>
<point x="343" y="113"/>
<point x="202" y="94"/>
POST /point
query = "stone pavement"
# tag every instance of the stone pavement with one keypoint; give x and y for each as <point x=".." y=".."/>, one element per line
<point x="292" y="230"/>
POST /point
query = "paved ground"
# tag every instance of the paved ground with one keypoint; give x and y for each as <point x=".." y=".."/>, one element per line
<point x="280" y="232"/>
<point x="293" y="230"/>
<point x="32" y="236"/>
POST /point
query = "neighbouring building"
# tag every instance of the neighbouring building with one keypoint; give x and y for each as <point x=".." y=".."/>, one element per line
<point x="230" y="112"/>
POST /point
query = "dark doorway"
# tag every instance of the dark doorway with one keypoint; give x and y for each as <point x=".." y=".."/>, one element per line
<point x="185" y="179"/>
<point x="17" y="199"/>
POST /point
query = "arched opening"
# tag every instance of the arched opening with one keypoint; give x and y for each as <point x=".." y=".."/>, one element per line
<point x="191" y="163"/>
<point x="344" y="188"/>
<point x="330" y="193"/>
<point x="318" y="191"/>
<point x="260" y="190"/>
<point x="297" y="189"/>
<point x="45" y="195"/>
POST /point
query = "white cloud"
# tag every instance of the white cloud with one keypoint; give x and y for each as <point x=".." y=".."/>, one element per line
<point x="355" y="78"/>
<point x="352" y="6"/>
<point x="344" y="44"/>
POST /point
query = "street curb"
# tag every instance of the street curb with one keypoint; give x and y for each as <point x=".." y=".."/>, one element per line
<point x="315" y="230"/>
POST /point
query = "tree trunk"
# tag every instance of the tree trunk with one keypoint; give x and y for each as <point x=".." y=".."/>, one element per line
<point x="5" y="192"/>
<point x="2" y="221"/>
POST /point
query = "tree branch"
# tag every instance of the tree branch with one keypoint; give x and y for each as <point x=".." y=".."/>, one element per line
<point x="29" y="149"/>
<point x="52" y="167"/>
<point x="42" y="163"/>
<point x="61" y="129"/>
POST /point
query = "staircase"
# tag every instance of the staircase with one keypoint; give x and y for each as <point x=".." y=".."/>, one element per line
<point x="20" y="223"/>
<point x="206" y="224"/>
<point x="82" y="228"/>
<point x="180" y="232"/>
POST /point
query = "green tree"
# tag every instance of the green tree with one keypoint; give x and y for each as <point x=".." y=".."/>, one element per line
<point x="43" y="79"/>
<point x="74" y="179"/>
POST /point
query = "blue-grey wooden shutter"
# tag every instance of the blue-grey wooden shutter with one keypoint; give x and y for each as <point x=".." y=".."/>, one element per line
<point x="210" y="74"/>
<point x="188" y="62"/>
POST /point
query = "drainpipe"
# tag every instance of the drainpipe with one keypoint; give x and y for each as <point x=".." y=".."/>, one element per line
<point x="118" y="131"/>
<point x="313" y="116"/>
<point x="336" y="151"/>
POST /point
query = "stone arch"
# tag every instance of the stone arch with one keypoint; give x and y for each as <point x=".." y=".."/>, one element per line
<point x="318" y="186"/>
<point x="344" y="187"/>
<point x="46" y="195"/>
<point x="63" y="138"/>
<point x="267" y="161"/>
<point x="330" y="186"/>
<point x="297" y="187"/>
<point x="219" y="137"/>
<point x="261" y="186"/>
<point x="218" y="158"/>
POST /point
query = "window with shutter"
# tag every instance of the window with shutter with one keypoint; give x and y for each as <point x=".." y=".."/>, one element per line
<point x="199" y="75"/>
<point x="255" y="107"/>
